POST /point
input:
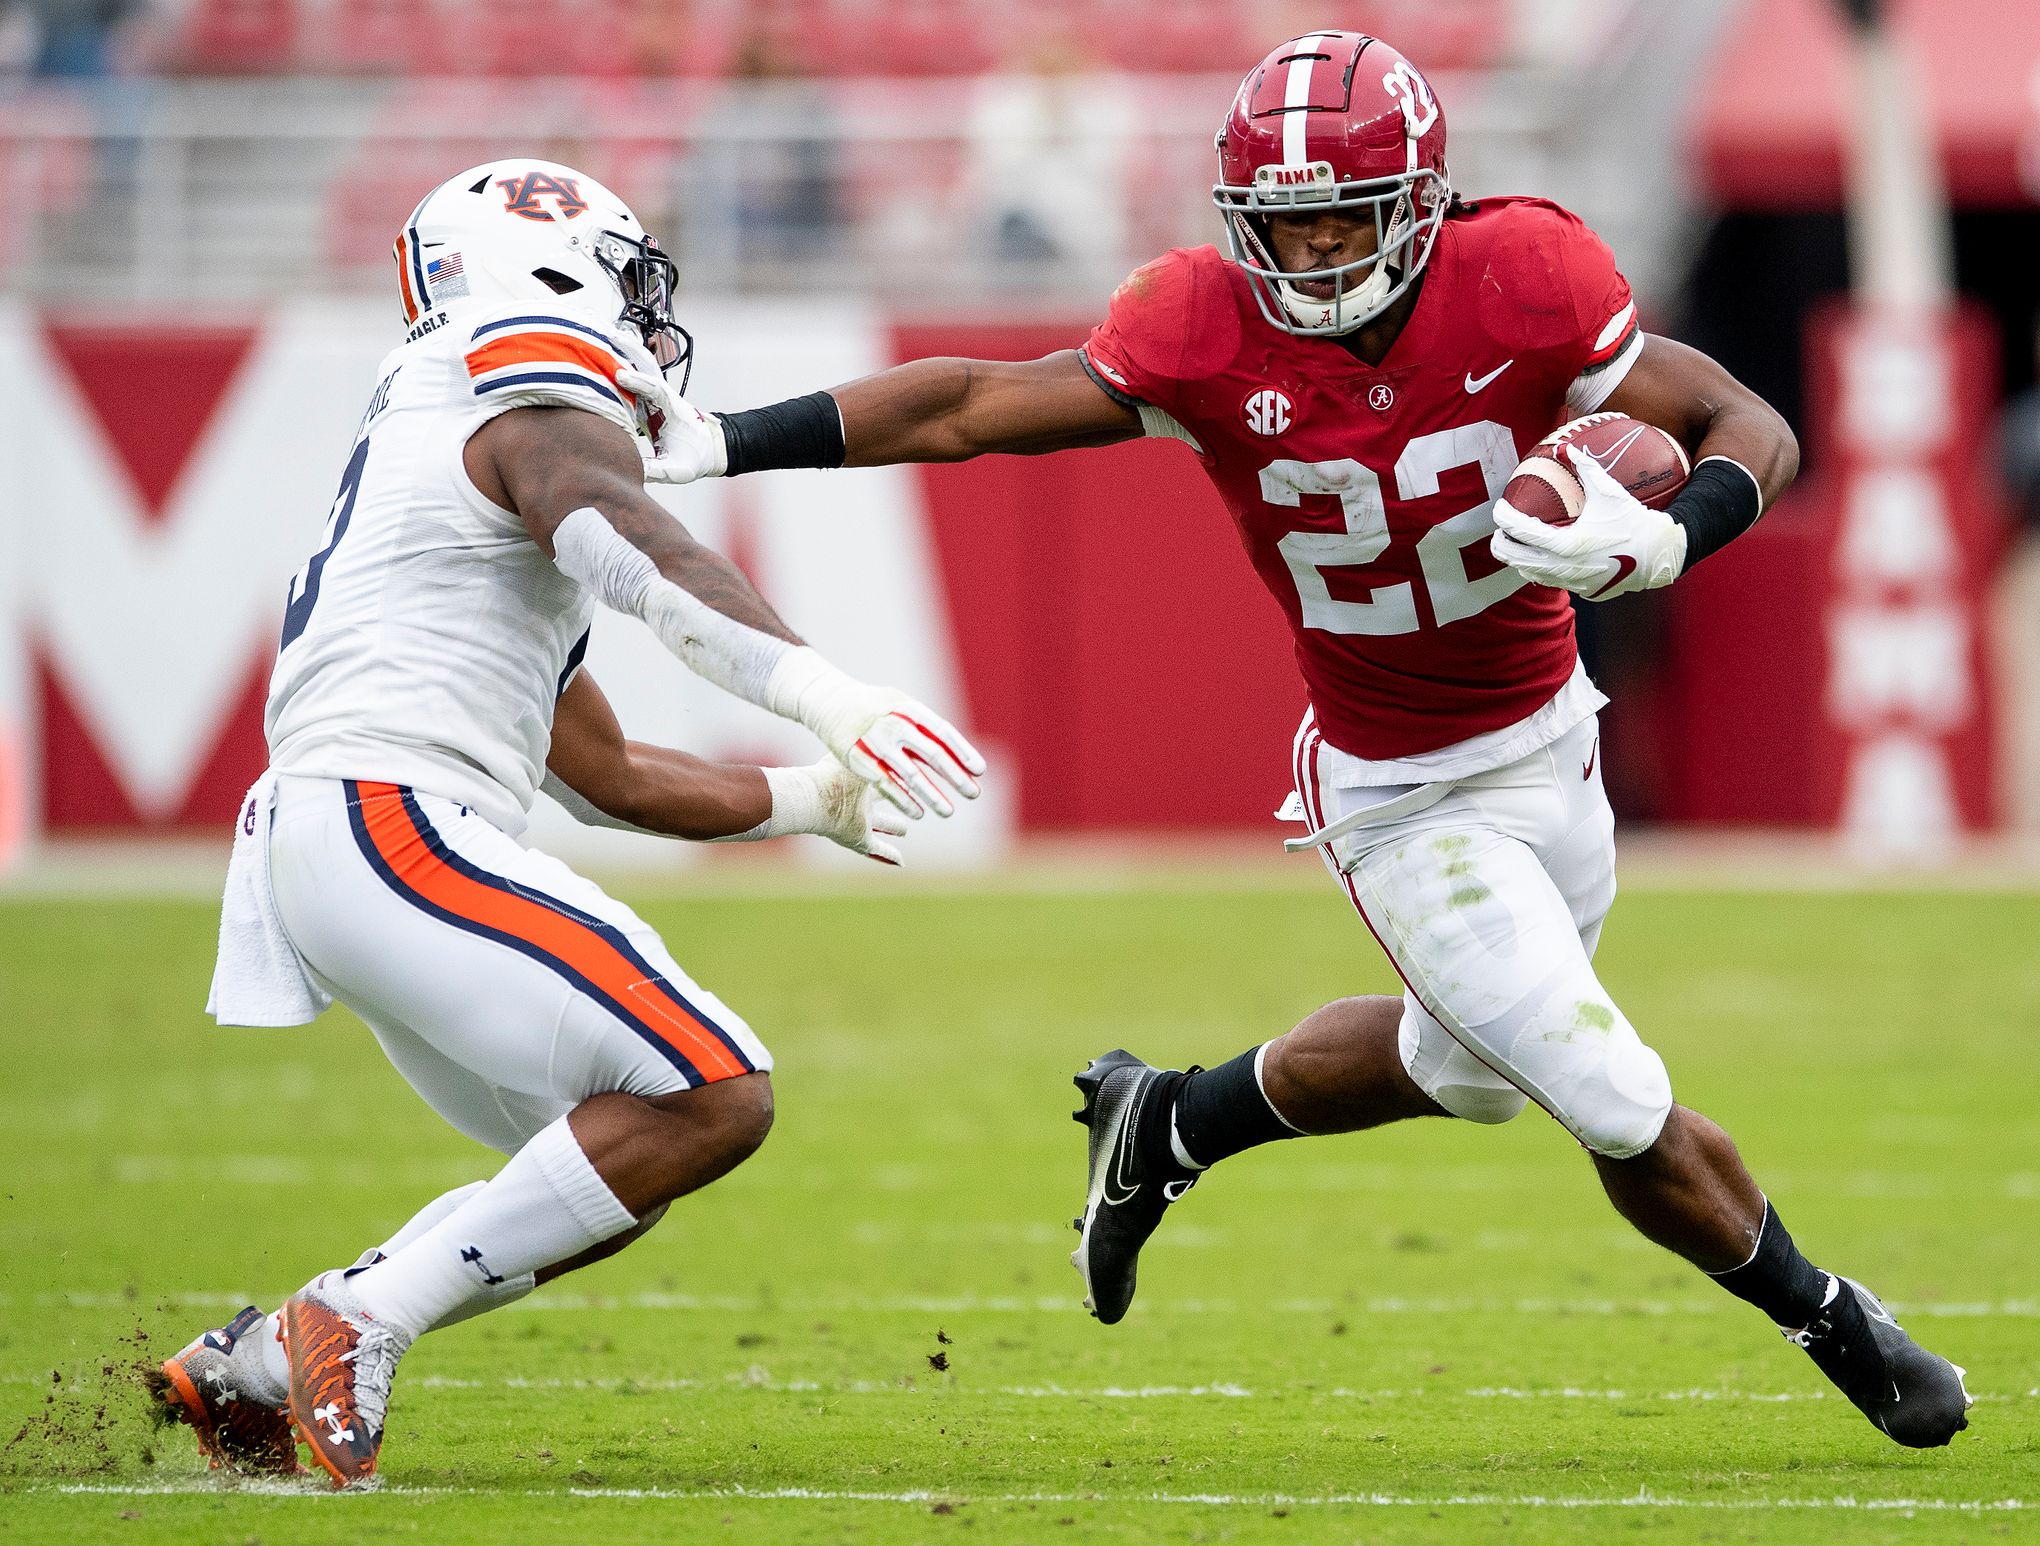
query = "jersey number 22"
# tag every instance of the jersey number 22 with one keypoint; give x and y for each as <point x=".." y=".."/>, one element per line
<point x="1392" y="609"/>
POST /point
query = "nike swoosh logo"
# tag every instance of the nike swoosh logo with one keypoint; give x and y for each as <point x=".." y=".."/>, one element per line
<point x="1116" y="1176"/>
<point x="1625" y="566"/>
<point x="1478" y="384"/>
<point x="1588" y="771"/>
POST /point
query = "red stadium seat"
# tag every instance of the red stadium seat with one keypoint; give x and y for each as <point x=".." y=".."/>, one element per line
<point x="237" y="37"/>
<point x="384" y="37"/>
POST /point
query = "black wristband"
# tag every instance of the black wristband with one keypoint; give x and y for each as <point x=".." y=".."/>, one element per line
<point x="800" y="432"/>
<point x="1719" y="503"/>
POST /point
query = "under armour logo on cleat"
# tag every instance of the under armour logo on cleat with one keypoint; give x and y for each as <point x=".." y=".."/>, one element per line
<point x="338" y="1430"/>
<point x="473" y="1254"/>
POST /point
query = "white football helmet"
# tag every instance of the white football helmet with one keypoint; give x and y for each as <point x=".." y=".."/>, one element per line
<point x="527" y="230"/>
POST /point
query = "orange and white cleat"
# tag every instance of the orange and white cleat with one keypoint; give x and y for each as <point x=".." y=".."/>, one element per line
<point x="207" y="1388"/>
<point x="342" y="1361"/>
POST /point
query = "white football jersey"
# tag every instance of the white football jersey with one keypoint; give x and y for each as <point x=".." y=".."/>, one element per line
<point x="427" y="639"/>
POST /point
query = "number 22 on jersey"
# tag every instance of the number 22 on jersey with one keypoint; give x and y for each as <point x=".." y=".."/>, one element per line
<point x="1392" y="608"/>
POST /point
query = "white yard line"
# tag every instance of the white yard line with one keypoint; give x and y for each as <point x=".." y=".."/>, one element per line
<point x="972" y="1304"/>
<point x="758" y="1378"/>
<point x="1640" y="1499"/>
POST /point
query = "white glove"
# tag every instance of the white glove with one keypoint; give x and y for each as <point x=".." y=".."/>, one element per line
<point x="827" y="799"/>
<point x="890" y="740"/>
<point x="686" y="443"/>
<point x="1618" y="545"/>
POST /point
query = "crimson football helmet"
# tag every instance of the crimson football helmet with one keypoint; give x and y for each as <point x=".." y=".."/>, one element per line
<point x="1333" y="120"/>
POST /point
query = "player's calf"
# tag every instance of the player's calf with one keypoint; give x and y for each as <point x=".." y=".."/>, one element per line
<point x="1690" y="1193"/>
<point x="1153" y="1131"/>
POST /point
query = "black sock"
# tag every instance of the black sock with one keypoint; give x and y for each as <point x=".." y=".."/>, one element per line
<point x="1220" y="1111"/>
<point x="1777" y="1279"/>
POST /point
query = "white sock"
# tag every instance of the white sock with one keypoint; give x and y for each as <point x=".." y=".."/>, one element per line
<point x="546" y="1205"/>
<point x="268" y="1381"/>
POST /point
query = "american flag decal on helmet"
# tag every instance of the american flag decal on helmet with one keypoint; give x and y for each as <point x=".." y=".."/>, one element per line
<point x="446" y="278"/>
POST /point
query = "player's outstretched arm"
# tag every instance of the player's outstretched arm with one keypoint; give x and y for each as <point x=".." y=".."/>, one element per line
<point x="1744" y="456"/>
<point x="948" y="410"/>
<point x="576" y="482"/>
<point x="935" y="410"/>
<point x="605" y="780"/>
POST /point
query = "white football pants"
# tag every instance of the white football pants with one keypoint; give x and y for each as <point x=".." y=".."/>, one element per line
<point x="1488" y="894"/>
<point x="503" y="986"/>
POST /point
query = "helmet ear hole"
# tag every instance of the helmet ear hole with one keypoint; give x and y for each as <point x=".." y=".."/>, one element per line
<point x="555" y="281"/>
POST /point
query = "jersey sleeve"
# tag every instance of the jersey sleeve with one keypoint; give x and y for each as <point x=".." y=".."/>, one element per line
<point x="528" y="358"/>
<point x="1136" y="353"/>
<point x="1608" y="338"/>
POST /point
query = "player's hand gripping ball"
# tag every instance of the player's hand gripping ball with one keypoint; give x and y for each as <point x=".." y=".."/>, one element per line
<point x="1584" y="510"/>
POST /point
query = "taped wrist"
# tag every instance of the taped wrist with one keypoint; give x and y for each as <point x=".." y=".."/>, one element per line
<point x="718" y="649"/>
<point x="796" y="806"/>
<point x="800" y="432"/>
<point x="812" y="693"/>
<point x="1720" y="501"/>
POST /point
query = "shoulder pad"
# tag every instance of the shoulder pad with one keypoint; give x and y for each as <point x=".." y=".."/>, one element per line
<point x="1178" y="318"/>
<point x="1534" y="262"/>
<point x="528" y="356"/>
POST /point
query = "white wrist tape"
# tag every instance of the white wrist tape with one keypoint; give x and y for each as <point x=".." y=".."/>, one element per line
<point x="806" y="689"/>
<point x="799" y="804"/>
<point x="719" y="649"/>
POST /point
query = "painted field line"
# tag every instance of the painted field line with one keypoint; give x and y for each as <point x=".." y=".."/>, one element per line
<point x="758" y="1379"/>
<point x="999" y="1304"/>
<point x="291" y="1169"/>
<point x="1638" y="1500"/>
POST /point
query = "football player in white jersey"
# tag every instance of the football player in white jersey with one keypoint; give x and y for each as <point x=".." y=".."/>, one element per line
<point x="427" y="687"/>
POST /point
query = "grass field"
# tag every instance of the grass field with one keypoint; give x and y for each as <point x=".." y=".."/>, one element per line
<point x="1437" y="1332"/>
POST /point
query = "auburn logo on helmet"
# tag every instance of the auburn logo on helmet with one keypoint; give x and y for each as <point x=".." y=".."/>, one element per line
<point x="522" y="195"/>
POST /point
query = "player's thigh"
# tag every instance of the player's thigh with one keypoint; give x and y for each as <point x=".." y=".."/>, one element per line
<point x="423" y="915"/>
<point x="501" y="1119"/>
<point x="1580" y="856"/>
<point x="1488" y="946"/>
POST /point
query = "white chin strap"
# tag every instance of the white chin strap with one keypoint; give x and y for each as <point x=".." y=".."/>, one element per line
<point x="1352" y="307"/>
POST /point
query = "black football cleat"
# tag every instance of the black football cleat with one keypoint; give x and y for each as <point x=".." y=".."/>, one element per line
<point x="1913" y="1396"/>
<point x="1130" y="1188"/>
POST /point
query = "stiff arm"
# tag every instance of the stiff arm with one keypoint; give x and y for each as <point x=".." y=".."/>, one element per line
<point x="576" y="481"/>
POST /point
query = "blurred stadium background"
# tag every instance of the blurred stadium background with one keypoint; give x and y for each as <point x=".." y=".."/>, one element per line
<point x="195" y="286"/>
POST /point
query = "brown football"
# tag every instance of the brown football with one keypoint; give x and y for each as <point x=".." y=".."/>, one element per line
<point x="1641" y="457"/>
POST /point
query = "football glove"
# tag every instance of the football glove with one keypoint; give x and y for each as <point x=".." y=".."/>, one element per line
<point x="829" y="800"/>
<point x="1618" y="544"/>
<point x="685" y="442"/>
<point x="892" y="741"/>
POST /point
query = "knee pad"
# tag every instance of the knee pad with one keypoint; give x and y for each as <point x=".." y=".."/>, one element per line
<point x="1593" y="1070"/>
<point x="1452" y="1076"/>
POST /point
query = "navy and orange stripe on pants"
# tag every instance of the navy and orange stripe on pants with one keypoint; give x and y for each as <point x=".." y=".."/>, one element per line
<point x="401" y="846"/>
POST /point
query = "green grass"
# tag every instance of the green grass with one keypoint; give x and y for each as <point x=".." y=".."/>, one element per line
<point x="1420" y="1316"/>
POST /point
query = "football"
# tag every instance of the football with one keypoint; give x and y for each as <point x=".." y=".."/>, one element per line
<point x="1644" y="459"/>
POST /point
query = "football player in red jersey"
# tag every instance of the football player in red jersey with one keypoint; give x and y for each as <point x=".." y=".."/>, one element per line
<point x="1360" y="371"/>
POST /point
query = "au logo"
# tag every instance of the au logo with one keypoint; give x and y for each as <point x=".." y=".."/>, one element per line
<point x="522" y="195"/>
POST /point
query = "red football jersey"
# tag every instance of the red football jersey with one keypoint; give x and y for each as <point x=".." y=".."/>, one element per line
<point x="1364" y="493"/>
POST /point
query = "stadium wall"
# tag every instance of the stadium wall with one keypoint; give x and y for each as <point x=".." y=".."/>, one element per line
<point x="1088" y="617"/>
